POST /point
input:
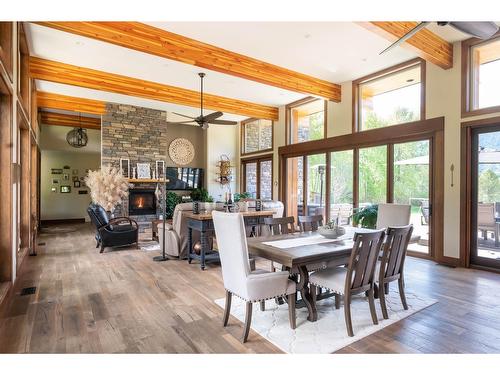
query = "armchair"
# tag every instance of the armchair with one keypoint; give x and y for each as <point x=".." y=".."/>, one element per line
<point x="112" y="233"/>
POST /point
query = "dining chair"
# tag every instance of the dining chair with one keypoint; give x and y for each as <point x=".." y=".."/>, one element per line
<point x="392" y="214"/>
<point x="357" y="278"/>
<point x="251" y="286"/>
<point x="310" y="223"/>
<point x="280" y="225"/>
<point x="391" y="267"/>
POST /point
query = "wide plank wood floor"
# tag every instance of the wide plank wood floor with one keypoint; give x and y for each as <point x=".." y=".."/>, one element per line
<point x="122" y="301"/>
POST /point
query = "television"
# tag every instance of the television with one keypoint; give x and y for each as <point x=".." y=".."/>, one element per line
<point x="184" y="178"/>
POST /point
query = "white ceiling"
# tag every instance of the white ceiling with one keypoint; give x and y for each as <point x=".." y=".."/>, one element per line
<point x="334" y="51"/>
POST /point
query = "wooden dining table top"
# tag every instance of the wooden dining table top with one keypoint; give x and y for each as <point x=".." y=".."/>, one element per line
<point x="208" y="215"/>
<point x="299" y="255"/>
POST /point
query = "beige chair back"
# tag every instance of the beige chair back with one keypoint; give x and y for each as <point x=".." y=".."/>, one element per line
<point x="391" y="214"/>
<point x="486" y="214"/>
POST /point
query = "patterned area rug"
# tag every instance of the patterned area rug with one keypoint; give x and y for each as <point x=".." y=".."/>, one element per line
<point x="328" y="334"/>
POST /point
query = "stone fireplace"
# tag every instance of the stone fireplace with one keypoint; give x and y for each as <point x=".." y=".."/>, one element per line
<point x="142" y="202"/>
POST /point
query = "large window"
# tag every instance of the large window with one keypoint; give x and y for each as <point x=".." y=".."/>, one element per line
<point x="483" y="75"/>
<point x="341" y="185"/>
<point x="306" y="120"/>
<point x="256" y="136"/>
<point x="372" y="175"/>
<point x="258" y="177"/>
<point x="390" y="97"/>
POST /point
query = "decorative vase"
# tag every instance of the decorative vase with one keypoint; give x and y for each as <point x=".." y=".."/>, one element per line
<point x="196" y="208"/>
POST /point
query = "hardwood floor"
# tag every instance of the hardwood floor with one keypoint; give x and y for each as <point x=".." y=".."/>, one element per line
<point x="122" y="301"/>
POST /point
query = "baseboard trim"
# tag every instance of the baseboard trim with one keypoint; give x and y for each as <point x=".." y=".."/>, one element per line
<point x="62" y="221"/>
<point x="449" y="261"/>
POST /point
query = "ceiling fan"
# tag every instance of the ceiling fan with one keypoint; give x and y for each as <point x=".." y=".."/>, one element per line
<point x="481" y="30"/>
<point x="201" y="120"/>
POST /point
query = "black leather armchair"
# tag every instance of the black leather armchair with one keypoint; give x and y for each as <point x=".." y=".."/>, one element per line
<point x="112" y="233"/>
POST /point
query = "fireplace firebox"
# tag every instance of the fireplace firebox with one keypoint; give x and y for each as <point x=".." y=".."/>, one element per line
<point x="141" y="202"/>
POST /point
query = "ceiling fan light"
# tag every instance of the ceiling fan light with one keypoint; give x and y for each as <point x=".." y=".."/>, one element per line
<point x="481" y="30"/>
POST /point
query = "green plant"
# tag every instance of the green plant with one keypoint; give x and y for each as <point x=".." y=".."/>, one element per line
<point x="200" y="195"/>
<point x="171" y="200"/>
<point x="366" y="216"/>
<point x="240" y="196"/>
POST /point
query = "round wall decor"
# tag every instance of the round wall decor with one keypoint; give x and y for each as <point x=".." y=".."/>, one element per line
<point x="181" y="151"/>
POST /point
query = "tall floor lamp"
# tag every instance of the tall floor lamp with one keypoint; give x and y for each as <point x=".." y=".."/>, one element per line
<point x="163" y="256"/>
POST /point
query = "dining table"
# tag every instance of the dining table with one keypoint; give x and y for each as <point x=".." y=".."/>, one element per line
<point x="300" y="250"/>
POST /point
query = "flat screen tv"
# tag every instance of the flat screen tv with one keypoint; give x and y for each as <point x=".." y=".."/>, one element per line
<point x="183" y="178"/>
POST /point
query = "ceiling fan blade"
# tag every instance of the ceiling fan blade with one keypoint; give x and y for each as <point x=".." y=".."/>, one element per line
<point x="481" y="30"/>
<point x="178" y="114"/>
<point x="180" y="122"/>
<point x="212" y="116"/>
<point x="223" y="122"/>
<point x="408" y="35"/>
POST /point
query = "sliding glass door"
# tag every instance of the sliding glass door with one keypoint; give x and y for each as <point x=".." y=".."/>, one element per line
<point x="341" y="186"/>
<point x="485" y="207"/>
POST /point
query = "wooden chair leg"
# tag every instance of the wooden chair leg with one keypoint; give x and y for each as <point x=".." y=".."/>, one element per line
<point x="248" y="321"/>
<point x="386" y="288"/>
<point x="347" y="315"/>
<point x="375" y="291"/>
<point x="371" y="301"/>
<point x="381" y="295"/>
<point x="402" y="293"/>
<point x="262" y="305"/>
<point x="227" y="308"/>
<point x="291" y="311"/>
<point x="337" y="301"/>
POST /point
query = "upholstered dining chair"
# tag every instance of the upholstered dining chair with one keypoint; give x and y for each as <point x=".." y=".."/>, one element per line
<point x="392" y="214"/>
<point x="238" y="279"/>
<point x="391" y="267"/>
<point x="357" y="278"/>
<point x="310" y="223"/>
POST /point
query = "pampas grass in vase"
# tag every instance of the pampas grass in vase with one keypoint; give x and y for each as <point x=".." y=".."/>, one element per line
<point x="108" y="187"/>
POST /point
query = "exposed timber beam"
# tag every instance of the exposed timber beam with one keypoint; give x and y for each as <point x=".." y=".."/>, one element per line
<point x="60" y="119"/>
<point x="425" y="43"/>
<point x="94" y="79"/>
<point x="158" y="42"/>
<point x="69" y="103"/>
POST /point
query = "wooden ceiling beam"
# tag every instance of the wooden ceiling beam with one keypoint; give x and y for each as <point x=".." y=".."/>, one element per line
<point x="425" y="43"/>
<point x="158" y="42"/>
<point x="94" y="79"/>
<point x="61" y="119"/>
<point x="69" y="103"/>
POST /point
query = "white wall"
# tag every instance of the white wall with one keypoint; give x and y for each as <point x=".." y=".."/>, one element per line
<point x="221" y="139"/>
<point x="57" y="206"/>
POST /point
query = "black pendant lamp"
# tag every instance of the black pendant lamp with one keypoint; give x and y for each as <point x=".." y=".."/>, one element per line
<point x="77" y="137"/>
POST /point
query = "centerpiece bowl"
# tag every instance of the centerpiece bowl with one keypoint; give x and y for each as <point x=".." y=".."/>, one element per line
<point x="331" y="231"/>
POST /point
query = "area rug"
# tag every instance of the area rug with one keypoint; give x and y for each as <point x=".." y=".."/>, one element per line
<point x="328" y="334"/>
<point x="149" y="246"/>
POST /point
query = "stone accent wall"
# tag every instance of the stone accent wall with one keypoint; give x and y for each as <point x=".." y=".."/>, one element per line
<point x="134" y="133"/>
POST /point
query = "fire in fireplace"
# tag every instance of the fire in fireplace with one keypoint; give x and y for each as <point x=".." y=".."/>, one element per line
<point x="142" y="202"/>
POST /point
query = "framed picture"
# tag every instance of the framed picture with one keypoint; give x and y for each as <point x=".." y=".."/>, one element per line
<point x="55" y="181"/>
<point x="75" y="171"/>
<point x="75" y="178"/>
<point x="82" y="178"/>
<point x="66" y="167"/>
<point x="65" y="189"/>
<point x="160" y="169"/>
<point x="143" y="170"/>
<point x="53" y="189"/>
<point x="66" y="177"/>
<point x="125" y="167"/>
<point x="56" y="171"/>
<point x="76" y="184"/>
<point x="81" y="192"/>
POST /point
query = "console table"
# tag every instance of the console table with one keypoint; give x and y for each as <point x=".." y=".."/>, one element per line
<point x="203" y="223"/>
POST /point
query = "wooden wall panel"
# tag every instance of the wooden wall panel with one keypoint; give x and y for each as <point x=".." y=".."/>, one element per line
<point x="93" y="79"/>
<point x="6" y="50"/>
<point x="158" y="42"/>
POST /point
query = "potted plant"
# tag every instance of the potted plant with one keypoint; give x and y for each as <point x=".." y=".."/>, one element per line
<point x="201" y="195"/>
<point x="242" y="196"/>
<point x="366" y="216"/>
<point x="171" y="200"/>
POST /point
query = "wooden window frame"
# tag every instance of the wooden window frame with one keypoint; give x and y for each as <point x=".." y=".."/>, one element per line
<point x="384" y="73"/>
<point x="242" y="137"/>
<point x="257" y="160"/>
<point x="432" y="130"/>
<point x="23" y="76"/>
<point x="6" y="48"/>
<point x="298" y="103"/>
<point x="466" y="84"/>
<point x="466" y="189"/>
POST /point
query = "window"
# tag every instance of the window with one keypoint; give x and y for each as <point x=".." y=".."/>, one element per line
<point x="257" y="175"/>
<point x="341" y="185"/>
<point x="390" y="97"/>
<point x="306" y="120"/>
<point x="372" y="175"/>
<point x="257" y="136"/>
<point x="483" y="60"/>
